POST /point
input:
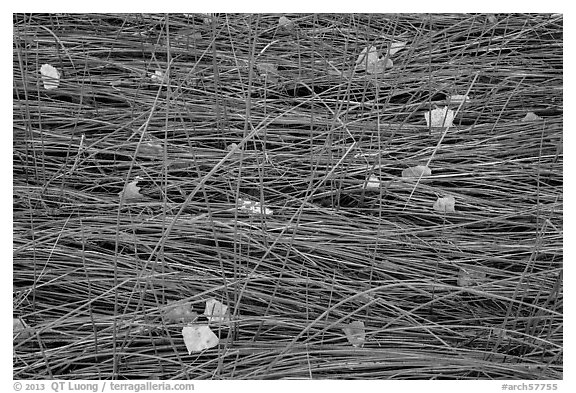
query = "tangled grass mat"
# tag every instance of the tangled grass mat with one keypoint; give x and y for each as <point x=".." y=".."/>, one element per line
<point x="353" y="196"/>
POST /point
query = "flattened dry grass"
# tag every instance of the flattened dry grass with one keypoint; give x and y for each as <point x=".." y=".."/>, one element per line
<point x="93" y="276"/>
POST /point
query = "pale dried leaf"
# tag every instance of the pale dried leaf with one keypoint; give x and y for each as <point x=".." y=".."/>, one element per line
<point x="216" y="311"/>
<point x="369" y="55"/>
<point x="441" y="117"/>
<point x="131" y="191"/>
<point x="499" y="332"/>
<point x="457" y="99"/>
<point x="355" y="333"/>
<point x="158" y="77"/>
<point x="445" y="204"/>
<point x="231" y="146"/>
<point x="471" y="275"/>
<point x="396" y="46"/>
<point x="267" y="68"/>
<point x="253" y="208"/>
<point x="285" y="23"/>
<point x="416" y="172"/>
<point x="531" y="116"/>
<point x="150" y="149"/>
<point x="380" y="66"/>
<point x="198" y="338"/>
<point x="50" y="77"/>
<point x="368" y="60"/>
<point x="20" y="330"/>
<point x="180" y="313"/>
<point x="373" y="183"/>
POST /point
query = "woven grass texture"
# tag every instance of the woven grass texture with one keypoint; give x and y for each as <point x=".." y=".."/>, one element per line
<point x="370" y="196"/>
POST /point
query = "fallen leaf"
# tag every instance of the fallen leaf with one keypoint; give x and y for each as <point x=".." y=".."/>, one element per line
<point x="150" y="149"/>
<point x="216" y="311"/>
<point x="208" y="17"/>
<point x="501" y="333"/>
<point x="417" y="172"/>
<point x="373" y="183"/>
<point x="158" y="77"/>
<point x="396" y="46"/>
<point x="268" y="71"/>
<point x="369" y="55"/>
<point x="368" y="60"/>
<point x="131" y="191"/>
<point x="232" y="146"/>
<point x="531" y="116"/>
<point x="457" y="99"/>
<point x="445" y="205"/>
<point x="50" y="77"/>
<point x="471" y="275"/>
<point x="441" y="117"/>
<point x="20" y="330"/>
<point x="285" y="23"/>
<point x="198" y="338"/>
<point x="355" y="333"/>
<point x="180" y="313"/>
<point x="253" y="208"/>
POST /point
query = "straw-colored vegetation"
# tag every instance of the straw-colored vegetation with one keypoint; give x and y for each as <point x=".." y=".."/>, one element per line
<point x="210" y="111"/>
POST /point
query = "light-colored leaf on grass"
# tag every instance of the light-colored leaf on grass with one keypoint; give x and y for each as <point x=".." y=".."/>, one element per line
<point x="368" y="61"/>
<point x="355" y="333"/>
<point x="216" y="311"/>
<point x="445" y="204"/>
<point x="50" y="77"/>
<point x="373" y="183"/>
<point x="416" y="172"/>
<point x="20" y="330"/>
<point x="158" y="77"/>
<point x="285" y="23"/>
<point x="268" y="71"/>
<point x="150" y="149"/>
<point x="439" y="117"/>
<point x="395" y="46"/>
<point x="253" y="208"/>
<point x="470" y="276"/>
<point x="180" y="313"/>
<point x="131" y="191"/>
<point x="531" y="116"/>
<point x="457" y="99"/>
<point x="198" y="338"/>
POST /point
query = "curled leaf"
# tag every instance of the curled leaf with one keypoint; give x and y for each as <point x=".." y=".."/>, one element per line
<point x="355" y="333"/>
<point x="440" y="117"/>
<point x="198" y="338"/>
<point x="417" y="172"/>
<point x="50" y="77"/>
<point x="216" y="311"/>
<point x="445" y="204"/>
